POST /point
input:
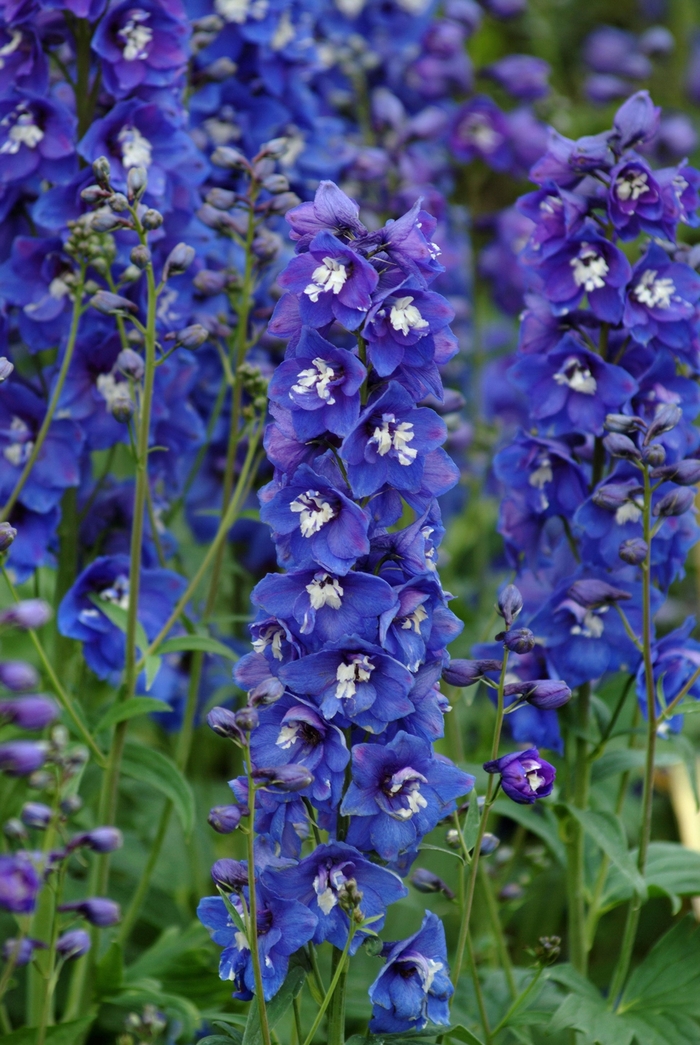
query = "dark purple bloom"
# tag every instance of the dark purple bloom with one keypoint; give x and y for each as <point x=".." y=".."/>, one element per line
<point x="661" y="301"/>
<point x="283" y="926"/>
<point x="28" y="614"/>
<point x="522" y="75"/>
<point x="398" y="793"/>
<point x="320" y="523"/>
<point x="224" y="819"/>
<point x="414" y="986"/>
<point x="391" y="443"/>
<point x="587" y="265"/>
<point x="400" y="326"/>
<point x="546" y="694"/>
<point x="332" y="281"/>
<point x="19" y="883"/>
<point x="320" y="880"/>
<point x="73" y="944"/>
<point x="566" y="161"/>
<point x="611" y="50"/>
<point x="634" y="199"/>
<point x="36" y="814"/>
<point x="556" y="213"/>
<point x="291" y="731"/>
<point x="525" y="776"/>
<point x="100" y="839"/>
<point x="358" y="683"/>
<point x="330" y="211"/>
<point x="636" y="121"/>
<point x="97" y="911"/>
<point x="480" y="131"/>
<point x="22" y="950"/>
<point x="18" y="676"/>
<point x="36" y="139"/>
<point x="22" y="757"/>
<point x="601" y="88"/>
<point x="320" y="385"/>
<point x="141" y="45"/>
<point x="29" y="712"/>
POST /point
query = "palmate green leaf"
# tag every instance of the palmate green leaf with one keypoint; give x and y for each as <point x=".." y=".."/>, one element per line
<point x="160" y="772"/>
<point x="672" y="871"/>
<point x="130" y="709"/>
<point x="276" y="1008"/>
<point x="540" y="821"/>
<point x="607" y="832"/>
<point x="197" y="643"/>
<point x="668" y="980"/>
<point x="73" y="1033"/>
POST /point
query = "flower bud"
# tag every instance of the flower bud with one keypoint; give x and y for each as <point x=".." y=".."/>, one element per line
<point x="612" y="496"/>
<point x="223" y="722"/>
<point x="136" y="182"/>
<point x="225" y="819"/>
<point x="275" y="148"/>
<point x="94" y="194"/>
<point x="654" y="455"/>
<point x="509" y="604"/>
<point x="19" y="883"/>
<point x="18" y="676"/>
<point x="140" y="256"/>
<point x="105" y="220"/>
<point x="230" y="874"/>
<point x="71" y="804"/>
<point x="118" y="203"/>
<point x="427" y="882"/>
<point x="36" y="814"/>
<point x="683" y="473"/>
<point x="452" y="838"/>
<point x="192" y="337"/>
<point x="15" y="830"/>
<point x="246" y="719"/>
<point x="283" y="202"/>
<point x="462" y="672"/>
<point x="623" y="424"/>
<point x="130" y="274"/>
<point x="101" y="170"/>
<point x="633" y="551"/>
<point x="29" y="614"/>
<point x="546" y="694"/>
<point x="229" y="158"/>
<point x="666" y="417"/>
<point x="592" y="593"/>
<point x="131" y="364"/>
<point x="20" y="950"/>
<point x="7" y="535"/>
<point x="548" y="949"/>
<point x="121" y="405"/>
<point x="41" y="780"/>
<point x="100" y="839"/>
<point x="97" y="911"/>
<point x="178" y="261"/>
<point x="112" y="304"/>
<point x="266" y="692"/>
<point x="291" y="777"/>
<point x="675" y="503"/>
<point x="275" y="183"/>
<point x="267" y="244"/>
<point x="73" y="944"/>
<point x="208" y="281"/>
<point x="519" y="640"/>
<point x="373" y="946"/>
<point x="489" y="844"/>
<point x="151" y="219"/>
<point x="622" y="446"/>
<point x="22" y="757"/>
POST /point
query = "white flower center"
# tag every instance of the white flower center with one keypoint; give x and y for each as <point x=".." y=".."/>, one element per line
<point x="628" y="512"/>
<point x="238" y="10"/>
<point x="577" y="376"/>
<point x="10" y="47"/>
<point x="325" y="590"/>
<point x="589" y="268"/>
<point x="359" y="669"/>
<point x="414" y="620"/>
<point x="631" y="186"/>
<point x="22" y="131"/>
<point x="284" y="33"/>
<point x="316" y="378"/>
<point x="542" y="474"/>
<point x="136" y="36"/>
<point x="313" y="512"/>
<point x="136" y="150"/>
<point x="653" y="292"/>
<point x="427" y="970"/>
<point x="407" y="782"/>
<point x="350" y="8"/>
<point x="20" y="449"/>
<point x="271" y="636"/>
<point x="331" y="275"/>
<point x="118" y="593"/>
<point x="392" y="436"/>
<point x="530" y="767"/>
<point x="480" y="133"/>
<point x="592" y="626"/>
<point x="287" y="736"/>
<point x="404" y="316"/>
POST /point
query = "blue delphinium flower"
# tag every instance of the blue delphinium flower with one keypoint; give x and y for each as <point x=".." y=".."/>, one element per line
<point x="414" y="986"/>
<point x="524" y="776"/>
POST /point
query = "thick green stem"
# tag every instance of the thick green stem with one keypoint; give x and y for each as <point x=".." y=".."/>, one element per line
<point x="253" y="910"/>
<point x="336" y="1012"/>
<point x="339" y="972"/>
<point x="497" y="931"/>
<point x="41" y="928"/>
<point x="576" y="886"/>
<point x="488" y="802"/>
<point x="54" y="400"/>
<point x="635" y="906"/>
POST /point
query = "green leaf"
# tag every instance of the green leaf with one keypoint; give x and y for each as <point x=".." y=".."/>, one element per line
<point x="607" y="832"/>
<point x="221" y="1039"/>
<point x="276" y="1008"/>
<point x="540" y="821"/>
<point x="622" y="759"/>
<point x="63" y="1034"/>
<point x="109" y="974"/>
<point x="668" y="980"/>
<point x="199" y="643"/>
<point x="130" y="709"/>
<point x="119" y="617"/>
<point x="405" y="1037"/>
<point x="471" y="824"/>
<point x="590" y="1016"/>
<point x="155" y="769"/>
<point x="460" y="1033"/>
<point x="152" y="665"/>
<point x="671" y="870"/>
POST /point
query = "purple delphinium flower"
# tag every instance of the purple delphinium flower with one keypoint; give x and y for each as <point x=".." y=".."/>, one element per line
<point x="634" y="199"/>
<point x="19" y="883"/>
<point x="399" y="323"/>
<point x="587" y="265"/>
<point x="319" y="880"/>
<point x="662" y="299"/>
<point x="22" y="757"/>
<point x="36" y="139"/>
<point x="398" y="793"/>
<point x="480" y="131"/>
<point x="414" y="986"/>
<point x="525" y="776"/>
<point x="283" y="926"/>
<point x="522" y="75"/>
<point x="675" y="659"/>
<point x="29" y="712"/>
<point x="141" y="46"/>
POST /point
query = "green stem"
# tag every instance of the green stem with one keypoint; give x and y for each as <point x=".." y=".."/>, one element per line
<point x="58" y="689"/>
<point x="41" y="928"/>
<point x="11" y="963"/>
<point x="253" y="909"/>
<point x="339" y="971"/>
<point x="519" y="1002"/>
<point x="67" y="569"/>
<point x="635" y="906"/>
<point x="490" y="797"/>
<point x="576" y="886"/>
<point x="481" y="1005"/>
<point x="55" y="397"/>
<point x="497" y="930"/>
<point x="50" y="983"/>
<point x="336" y="1012"/>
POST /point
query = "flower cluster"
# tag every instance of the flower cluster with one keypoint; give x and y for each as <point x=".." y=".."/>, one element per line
<point x="350" y="640"/>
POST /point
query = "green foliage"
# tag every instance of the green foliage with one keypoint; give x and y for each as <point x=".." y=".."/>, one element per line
<point x="160" y="772"/>
<point x="277" y="1008"/>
